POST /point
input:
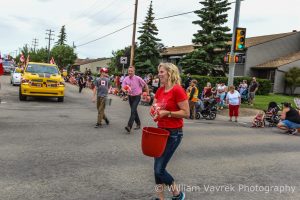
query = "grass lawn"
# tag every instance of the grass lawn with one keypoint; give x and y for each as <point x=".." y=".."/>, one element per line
<point x="261" y="101"/>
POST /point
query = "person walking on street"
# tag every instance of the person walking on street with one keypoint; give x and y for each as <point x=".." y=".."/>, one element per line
<point x="81" y="82"/>
<point x="102" y="85"/>
<point x="252" y="90"/>
<point x="233" y="99"/>
<point x="173" y="106"/>
<point x="136" y="85"/>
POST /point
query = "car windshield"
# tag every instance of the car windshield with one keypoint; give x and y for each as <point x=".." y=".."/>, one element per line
<point x="6" y="63"/>
<point x="36" y="68"/>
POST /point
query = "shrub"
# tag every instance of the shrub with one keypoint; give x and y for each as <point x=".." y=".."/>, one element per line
<point x="264" y="84"/>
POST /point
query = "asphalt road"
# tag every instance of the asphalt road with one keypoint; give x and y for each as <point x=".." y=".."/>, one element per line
<point x="51" y="151"/>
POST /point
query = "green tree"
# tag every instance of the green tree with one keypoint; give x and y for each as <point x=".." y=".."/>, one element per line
<point x="292" y="79"/>
<point x="115" y="65"/>
<point x="40" y="55"/>
<point x="147" y="54"/>
<point x="63" y="55"/>
<point x="62" y="37"/>
<point x="211" y="41"/>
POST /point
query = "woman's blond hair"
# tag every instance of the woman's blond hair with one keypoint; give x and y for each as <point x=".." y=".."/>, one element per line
<point x="172" y="71"/>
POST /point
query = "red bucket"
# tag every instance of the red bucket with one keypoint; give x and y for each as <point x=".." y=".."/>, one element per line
<point x="154" y="141"/>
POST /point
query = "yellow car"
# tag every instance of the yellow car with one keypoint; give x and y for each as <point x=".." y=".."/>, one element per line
<point x="41" y="80"/>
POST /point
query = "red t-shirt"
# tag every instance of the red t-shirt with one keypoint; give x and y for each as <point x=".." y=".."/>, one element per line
<point x="168" y="101"/>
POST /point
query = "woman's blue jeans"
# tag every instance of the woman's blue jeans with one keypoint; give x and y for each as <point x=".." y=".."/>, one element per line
<point x="160" y="164"/>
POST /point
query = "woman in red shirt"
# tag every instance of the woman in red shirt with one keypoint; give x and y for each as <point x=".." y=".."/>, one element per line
<point x="172" y="102"/>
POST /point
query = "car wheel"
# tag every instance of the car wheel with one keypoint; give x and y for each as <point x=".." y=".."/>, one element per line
<point x="21" y="96"/>
<point x="60" y="99"/>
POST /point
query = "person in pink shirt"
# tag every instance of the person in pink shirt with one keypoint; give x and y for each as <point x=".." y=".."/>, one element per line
<point x="134" y="85"/>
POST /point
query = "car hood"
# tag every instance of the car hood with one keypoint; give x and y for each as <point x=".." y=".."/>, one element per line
<point x="43" y="77"/>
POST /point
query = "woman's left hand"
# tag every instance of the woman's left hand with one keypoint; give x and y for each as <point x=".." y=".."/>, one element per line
<point x="163" y="113"/>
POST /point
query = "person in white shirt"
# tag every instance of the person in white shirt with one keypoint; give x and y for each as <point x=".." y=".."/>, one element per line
<point x="221" y="93"/>
<point x="233" y="99"/>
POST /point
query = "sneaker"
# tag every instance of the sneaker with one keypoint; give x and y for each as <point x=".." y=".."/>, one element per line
<point x="98" y="126"/>
<point x="106" y="121"/>
<point x="293" y="131"/>
<point x="128" y="129"/>
<point x="181" y="196"/>
<point x="235" y="120"/>
<point x="230" y="120"/>
<point x="137" y="127"/>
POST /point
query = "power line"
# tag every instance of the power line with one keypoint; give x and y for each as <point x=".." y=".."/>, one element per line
<point x="103" y="25"/>
<point x="35" y="43"/>
<point x="91" y="15"/>
<point x="131" y="25"/>
<point x="104" y="36"/>
<point x="174" y="15"/>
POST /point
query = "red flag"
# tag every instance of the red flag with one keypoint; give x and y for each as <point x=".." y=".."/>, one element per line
<point x="22" y="59"/>
<point x="52" y="61"/>
<point x="1" y="66"/>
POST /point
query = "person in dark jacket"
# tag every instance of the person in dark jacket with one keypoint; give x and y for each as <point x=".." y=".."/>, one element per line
<point x="290" y="119"/>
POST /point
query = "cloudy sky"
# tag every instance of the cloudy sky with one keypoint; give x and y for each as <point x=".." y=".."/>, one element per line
<point x="87" y="20"/>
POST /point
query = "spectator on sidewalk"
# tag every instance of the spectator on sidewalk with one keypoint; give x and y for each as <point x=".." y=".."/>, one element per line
<point x="233" y="99"/>
<point x="102" y="85"/>
<point x="187" y="81"/>
<point x="221" y="93"/>
<point x="243" y="86"/>
<point x="207" y="91"/>
<point x="192" y="93"/>
<point x="252" y="90"/>
<point x="136" y="85"/>
<point x="173" y="103"/>
<point x="290" y="119"/>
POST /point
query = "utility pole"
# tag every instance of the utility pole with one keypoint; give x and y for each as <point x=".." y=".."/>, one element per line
<point x="49" y="38"/>
<point x="235" y="24"/>
<point x="35" y="43"/>
<point x="133" y="34"/>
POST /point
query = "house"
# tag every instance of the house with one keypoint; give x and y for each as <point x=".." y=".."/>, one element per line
<point x="93" y="64"/>
<point x="267" y="57"/>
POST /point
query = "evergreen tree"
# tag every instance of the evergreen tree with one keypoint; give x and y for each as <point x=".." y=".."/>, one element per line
<point x="62" y="38"/>
<point x="147" y="54"/>
<point x="211" y="41"/>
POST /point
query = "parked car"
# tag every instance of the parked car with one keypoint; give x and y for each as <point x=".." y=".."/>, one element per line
<point x="41" y="80"/>
<point x="15" y="77"/>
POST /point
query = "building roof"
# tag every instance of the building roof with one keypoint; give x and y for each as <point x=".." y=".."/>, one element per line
<point x="86" y="61"/>
<point x="280" y="61"/>
<point x="178" y="50"/>
<point x="252" y="41"/>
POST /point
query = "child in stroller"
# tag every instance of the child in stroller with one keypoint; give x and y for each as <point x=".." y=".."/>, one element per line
<point x="146" y="99"/>
<point x="206" y="108"/>
<point x="259" y="120"/>
<point x="271" y="115"/>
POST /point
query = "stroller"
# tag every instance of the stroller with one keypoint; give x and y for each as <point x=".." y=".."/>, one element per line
<point x="271" y="115"/>
<point x="146" y="100"/>
<point x="207" y="109"/>
<point x="244" y="96"/>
